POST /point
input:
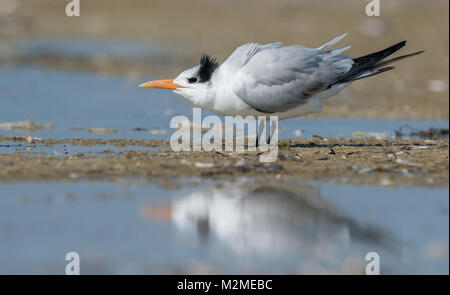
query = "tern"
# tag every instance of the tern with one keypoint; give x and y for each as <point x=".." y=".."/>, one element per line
<point x="275" y="80"/>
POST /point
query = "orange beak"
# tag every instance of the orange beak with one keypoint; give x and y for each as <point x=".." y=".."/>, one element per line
<point x="162" y="212"/>
<point x="161" y="84"/>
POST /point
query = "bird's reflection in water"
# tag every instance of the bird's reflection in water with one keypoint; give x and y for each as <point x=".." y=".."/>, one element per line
<point x="271" y="219"/>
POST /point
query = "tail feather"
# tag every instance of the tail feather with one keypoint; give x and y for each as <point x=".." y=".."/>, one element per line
<point x="337" y="50"/>
<point x="370" y="64"/>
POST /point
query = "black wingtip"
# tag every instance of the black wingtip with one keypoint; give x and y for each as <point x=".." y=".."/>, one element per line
<point x="385" y="69"/>
<point x="395" y="47"/>
<point x="373" y="61"/>
<point x="415" y="53"/>
<point x="374" y="57"/>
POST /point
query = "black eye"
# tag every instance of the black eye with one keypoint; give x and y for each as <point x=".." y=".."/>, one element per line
<point x="192" y="80"/>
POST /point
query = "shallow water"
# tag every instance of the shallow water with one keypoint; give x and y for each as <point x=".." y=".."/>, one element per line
<point x="84" y="48"/>
<point x="242" y="227"/>
<point x="36" y="149"/>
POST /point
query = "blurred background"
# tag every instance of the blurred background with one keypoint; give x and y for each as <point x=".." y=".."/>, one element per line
<point x="76" y="77"/>
<point x="141" y="38"/>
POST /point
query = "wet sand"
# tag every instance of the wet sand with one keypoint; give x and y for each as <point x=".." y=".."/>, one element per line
<point x="403" y="162"/>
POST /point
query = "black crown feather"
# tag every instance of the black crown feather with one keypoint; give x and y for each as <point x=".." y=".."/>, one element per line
<point x="208" y="65"/>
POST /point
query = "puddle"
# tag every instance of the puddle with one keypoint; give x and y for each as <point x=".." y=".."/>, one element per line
<point x="222" y="227"/>
<point x="84" y="48"/>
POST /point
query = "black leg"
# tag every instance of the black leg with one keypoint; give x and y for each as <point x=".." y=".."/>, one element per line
<point x="266" y="127"/>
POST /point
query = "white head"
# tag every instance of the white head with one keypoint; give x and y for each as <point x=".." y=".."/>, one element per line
<point x="193" y="83"/>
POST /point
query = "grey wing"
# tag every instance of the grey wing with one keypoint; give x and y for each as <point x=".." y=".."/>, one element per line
<point x="282" y="78"/>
